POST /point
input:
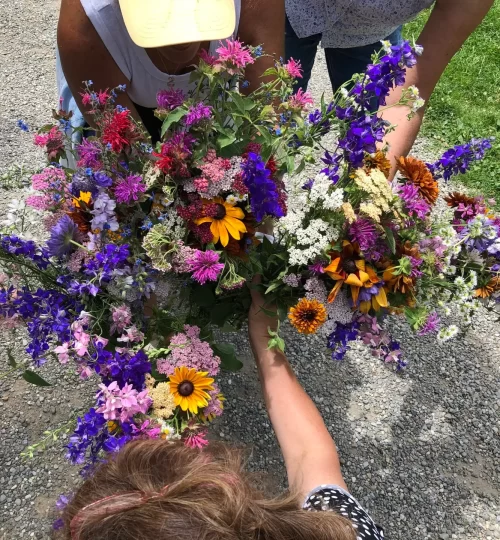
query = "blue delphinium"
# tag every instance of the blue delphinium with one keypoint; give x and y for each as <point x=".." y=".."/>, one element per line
<point x="107" y="261"/>
<point x="27" y="248"/>
<point x="21" y="124"/>
<point x="264" y="198"/>
<point x="338" y="340"/>
<point x="123" y="368"/>
<point x="459" y="159"/>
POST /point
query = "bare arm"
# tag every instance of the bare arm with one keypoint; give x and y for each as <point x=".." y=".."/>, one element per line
<point x="450" y="24"/>
<point x="308" y="449"/>
<point x="262" y="23"/>
<point x="85" y="57"/>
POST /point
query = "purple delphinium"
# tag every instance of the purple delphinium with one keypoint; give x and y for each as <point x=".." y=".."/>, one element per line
<point x="430" y="325"/>
<point x="459" y="159"/>
<point x="129" y="189"/>
<point x="121" y="367"/>
<point x="264" y="197"/>
<point x="332" y="162"/>
<point x="205" y="266"/>
<point x="170" y="99"/>
<point x="26" y="248"/>
<point x="82" y="182"/>
<point x="366" y="293"/>
<point x="338" y="340"/>
<point x="62" y="236"/>
<point x="102" y="180"/>
<point x="107" y="261"/>
<point x="364" y="233"/>
<point x="317" y="119"/>
<point x="197" y="113"/>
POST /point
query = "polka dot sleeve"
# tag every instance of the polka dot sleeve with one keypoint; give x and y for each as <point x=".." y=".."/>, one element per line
<point x="329" y="498"/>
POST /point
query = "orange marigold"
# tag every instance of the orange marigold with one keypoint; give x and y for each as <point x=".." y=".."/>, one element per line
<point x="307" y="316"/>
<point x="417" y="172"/>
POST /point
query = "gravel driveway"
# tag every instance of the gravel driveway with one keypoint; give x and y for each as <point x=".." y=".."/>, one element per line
<point x="419" y="449"/>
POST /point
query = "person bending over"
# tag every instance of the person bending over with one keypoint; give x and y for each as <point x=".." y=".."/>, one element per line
<point x="158" y="490"/>
<point x="151" y="45"/>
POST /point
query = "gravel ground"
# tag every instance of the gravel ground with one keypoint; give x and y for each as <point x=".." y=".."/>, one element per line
<point x="419" y="449"/>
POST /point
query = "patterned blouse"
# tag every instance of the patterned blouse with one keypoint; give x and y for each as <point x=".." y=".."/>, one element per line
<point x="351" y="23"/>
<point x="329" y="498"/>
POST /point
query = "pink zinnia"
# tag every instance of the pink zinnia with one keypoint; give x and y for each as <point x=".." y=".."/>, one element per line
<point x="234" y="55"/>
<point x="128" y="189"/>
<point x="205" y="266"/>
<point x="300" y="100"/>
<point x="294" y="68"/>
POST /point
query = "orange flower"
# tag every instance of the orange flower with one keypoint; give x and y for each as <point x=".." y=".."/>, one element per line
<point x="490" y="288"/>
<point x="417" y="172"/>
<point x="307" y="316"/>
<point x="347" y="267"/>
<point x="378" y="161"/>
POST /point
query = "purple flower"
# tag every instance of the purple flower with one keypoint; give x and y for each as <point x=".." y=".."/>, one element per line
<point x="459" y="159"/>
<point x="26" y="248"/>
<point x="82" y="182"/>
<point x="333" y="165"/>
<point x="102" y="180"/>
<point x="89" y="153"/>
<point x="205" y="266"/>
<point x="62" y="236"/>
<point x="317" y="268"/>
<point x="318" y="120"/>
<point x="431" y="324"/>
<point x="361" y="137"/>
<point x="197" y="113"/>
<point x="340" y="337"/>
<point x="264" y="197"/>
<point x="415" y="205"/>
<point x="170" y="98"/>
<point x="364" y="233"/>
<point x="110" y="259"/>
<point x="129" y="189"/>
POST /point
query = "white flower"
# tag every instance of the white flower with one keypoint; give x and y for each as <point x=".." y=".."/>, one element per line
<point x="386" y="45"/>
<point x="448" y="333"/>
<point x="231" y="199"/>
<point x="322" y="192"/>
<point x="418" y="50"/>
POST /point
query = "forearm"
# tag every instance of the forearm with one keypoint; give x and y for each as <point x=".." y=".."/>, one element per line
<point x="308" y="449"/>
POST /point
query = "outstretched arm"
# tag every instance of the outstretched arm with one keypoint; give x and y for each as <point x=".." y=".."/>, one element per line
<point x="450" y="24"/>
<point x="308" y="449"/>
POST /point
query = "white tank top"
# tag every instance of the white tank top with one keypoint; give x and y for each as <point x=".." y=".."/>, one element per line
<point x="144" y="78"/>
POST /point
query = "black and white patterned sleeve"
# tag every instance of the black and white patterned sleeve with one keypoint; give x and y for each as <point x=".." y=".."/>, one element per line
<point x="328" y="498"/>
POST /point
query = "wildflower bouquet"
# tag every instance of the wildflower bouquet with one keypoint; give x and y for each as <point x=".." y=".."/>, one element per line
<point x="146" y="247"/>
<point x="355" y="247"/>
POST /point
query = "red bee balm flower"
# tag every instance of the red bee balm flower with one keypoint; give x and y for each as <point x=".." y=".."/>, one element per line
<point x="119" y="131"/>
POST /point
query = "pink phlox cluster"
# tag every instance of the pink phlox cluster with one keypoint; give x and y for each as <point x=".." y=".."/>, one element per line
<point x="201" y="184"/>
<point x="39" y="202"/>
<point x="49" y="178"/>
<point x="76" y="259"/>
<point x="294" y="68"/>
<point x="122" y="403"/>
<point x="218" y="175"/>
<point x="234" y="56"/>
<point x="190" y="351"/>
<point x="131" y="335"/>
<point x="122" y="317"/>
<point x="300" y="100"/>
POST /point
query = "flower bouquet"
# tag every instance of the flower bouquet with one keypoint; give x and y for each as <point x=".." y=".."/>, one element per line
<point x="356" y="247"/>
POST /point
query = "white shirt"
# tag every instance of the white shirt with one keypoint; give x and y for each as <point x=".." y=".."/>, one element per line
<point x="351" y="23"/>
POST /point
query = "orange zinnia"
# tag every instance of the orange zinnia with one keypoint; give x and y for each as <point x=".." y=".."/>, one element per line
<point x="307" y="315"/>
<point x="417" y="172"/>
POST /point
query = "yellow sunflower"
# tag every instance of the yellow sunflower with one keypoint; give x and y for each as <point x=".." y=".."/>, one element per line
<point x="226" y="221"/>
<point x="307" y="316"/>
<point x="190" y="388"/>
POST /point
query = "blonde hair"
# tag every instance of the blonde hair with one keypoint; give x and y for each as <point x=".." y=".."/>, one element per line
<point x="198" y="495"/>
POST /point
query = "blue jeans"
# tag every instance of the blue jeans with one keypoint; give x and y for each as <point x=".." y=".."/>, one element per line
<point x="342" y="63"/>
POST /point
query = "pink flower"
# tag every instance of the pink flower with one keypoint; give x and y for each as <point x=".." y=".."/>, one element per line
<point x="215" y="406"/>
<point x="128" y="189"/>
<point x="182" y="255"/>
<point x="205" y="266"/>
<point x="38" y="202"/>
<point x="294" y="68"/>
<point x="85" y="372"/>
<point x="201" y="184"/>
<point x="81" y="344"/>
<point x="300" y="100"/>
<point x="101" y="341"/>
<point x="122" y="403"/>
<point x="234" y="56"/>
<point x="170" y="98"/>
<point x="132" y="335"/>
<point x="196" y="439"/>
<point x="89" y="153"/>
<point x="53" y="142"/>
<point x="62" y="353"/>
<point x="122" y="317"/>
<point x="190" y="351"/>
<point x="207" y="57"/>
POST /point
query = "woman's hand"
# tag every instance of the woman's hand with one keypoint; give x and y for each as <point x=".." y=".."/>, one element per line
<point x="262" y="317"/>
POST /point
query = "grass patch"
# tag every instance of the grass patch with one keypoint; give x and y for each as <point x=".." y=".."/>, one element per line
<point x="466" y="101"/>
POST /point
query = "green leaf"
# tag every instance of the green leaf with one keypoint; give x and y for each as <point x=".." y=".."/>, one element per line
<point x="290" y="164"/>
<point x="226" y="140"/>
<point x="203" y="296"/>
<point x="12" y="362"/>
<point x="34" y="378"/>
<point x="389" y="237"/>
<point x="238" y="101"/>
<point x="272" y="287"/>
<point x="174" y="116"/>
<point x="221" y="312"/>
<point x="227" y="354"/>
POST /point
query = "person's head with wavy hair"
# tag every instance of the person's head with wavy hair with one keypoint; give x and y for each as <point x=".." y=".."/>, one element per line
<point x="153" y="490"/>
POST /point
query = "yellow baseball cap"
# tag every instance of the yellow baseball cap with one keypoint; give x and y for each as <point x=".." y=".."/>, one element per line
<point x="158" y="23"/>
